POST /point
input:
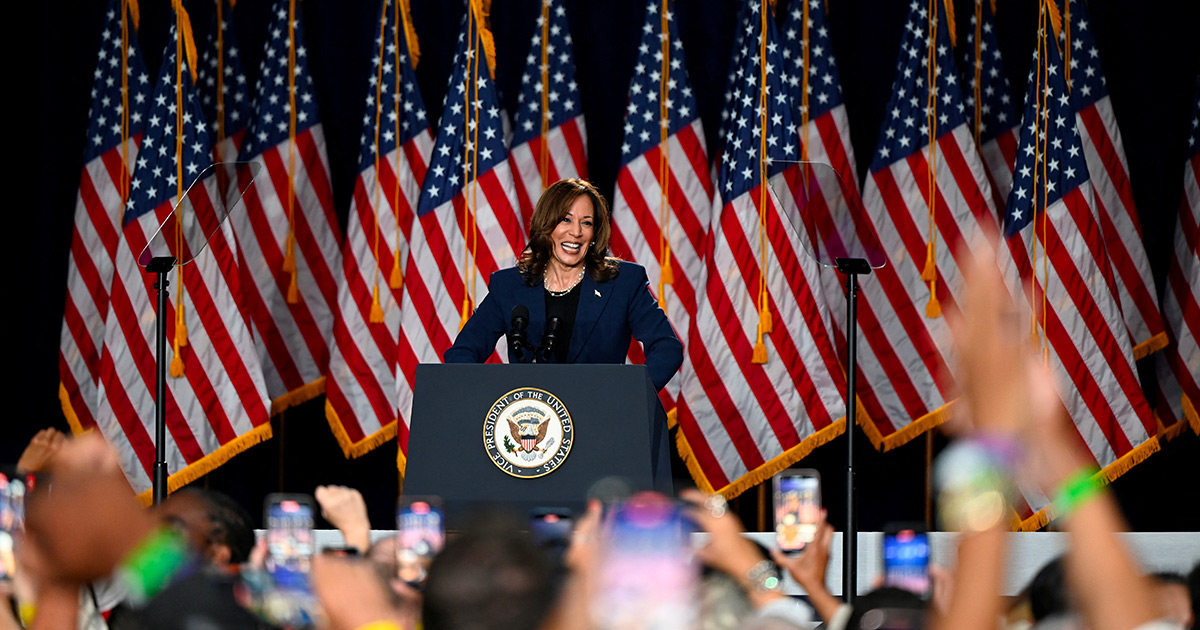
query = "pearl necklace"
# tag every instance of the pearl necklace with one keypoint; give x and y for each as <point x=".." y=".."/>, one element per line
<point x="564" y="291"/>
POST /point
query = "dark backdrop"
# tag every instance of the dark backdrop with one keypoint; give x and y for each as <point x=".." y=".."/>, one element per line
<point x="1150" y="54"/>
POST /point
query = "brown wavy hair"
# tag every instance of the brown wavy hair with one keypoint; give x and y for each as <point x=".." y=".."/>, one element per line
<point x="551" y="208"/>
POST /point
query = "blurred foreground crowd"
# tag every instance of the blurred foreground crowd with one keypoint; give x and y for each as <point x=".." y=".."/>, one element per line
<point x="83" y="553"/>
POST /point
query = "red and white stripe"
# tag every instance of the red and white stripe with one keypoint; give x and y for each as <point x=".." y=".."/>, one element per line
<point x="1083" y="331"/>
<point x="999" y="157"/>
<point x="97" y="230"/>
<point x="1178" y="365"/>
<point x="637" y="227"/>
<point x="1122" y="232"/>
<point x="360" y="387"/>
<point x="220" y="400"/>
<point x="438" y="275"/>
<point x="904" y="354"/>
<point x="292" y="339"/>
<point x="738" y="416"/>
<point x="566" y="145"/>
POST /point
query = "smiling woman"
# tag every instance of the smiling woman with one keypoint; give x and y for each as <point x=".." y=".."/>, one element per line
<point x="591" y="304"/>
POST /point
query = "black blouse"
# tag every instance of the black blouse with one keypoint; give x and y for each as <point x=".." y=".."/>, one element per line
<point x="563" y="307"/>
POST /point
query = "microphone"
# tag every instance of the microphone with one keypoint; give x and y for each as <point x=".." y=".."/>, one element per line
<point x="545" y="351"/>
<point x="516" y="335"/>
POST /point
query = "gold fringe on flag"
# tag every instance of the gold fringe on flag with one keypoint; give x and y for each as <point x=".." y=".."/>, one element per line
<point x="212" y="461"/>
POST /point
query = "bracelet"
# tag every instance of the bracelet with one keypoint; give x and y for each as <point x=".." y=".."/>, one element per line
<point x="152" y="564"/>
<point x="1081" y="487"/>
<point x="764" y="577"/>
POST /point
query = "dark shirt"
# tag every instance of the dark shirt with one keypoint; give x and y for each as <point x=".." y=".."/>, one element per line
<point x="563" y="307"/>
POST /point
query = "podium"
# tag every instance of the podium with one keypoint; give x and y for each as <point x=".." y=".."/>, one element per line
<point x="533" y="435"/>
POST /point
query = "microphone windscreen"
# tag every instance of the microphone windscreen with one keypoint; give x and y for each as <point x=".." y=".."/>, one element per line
<point x="520" y="313"/>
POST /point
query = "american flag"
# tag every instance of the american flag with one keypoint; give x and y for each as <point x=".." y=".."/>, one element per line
<point x="1109" y="170"/>
<point x="217" y="407"/>
<point x="906" y="388"/>
<point x="652" y="226"/>
<point x="1179" y="364"/>
<point x="223" y="89"/>
<point x="991" y="111"/>
<point x="468" y="222"/>
<point x="396" y="142"/>
<point x="98" y="208"/>
<point x="287" y="232"/>
<point x="1054" y="239"/>
<point x="548" y="132"/>
<point x="765" y="386"/>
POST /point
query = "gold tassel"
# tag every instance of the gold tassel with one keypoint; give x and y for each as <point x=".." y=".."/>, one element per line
<point x="376" y="309"/>
<point x="293" y="296"/>
<point x="950" y="23"/>
<point x="760" y="349"/>
<point x="482" y="10"/>
<point x="176" y="362"/>
<point x="933" y="309"/>
<point x="667" y="273"/>
<point x="134" y="13"/>
<point x="410" y="33"/>
<point x="929" y="273"/>
<point x="466" y="312"/>
<point x="1055" y="18"/>
<point x="766" y="320"/>
<point x="181" y="332"/>
<point x="185" y="31"/>
<point x="289" y="254"/>
<point x="396" y="279"/>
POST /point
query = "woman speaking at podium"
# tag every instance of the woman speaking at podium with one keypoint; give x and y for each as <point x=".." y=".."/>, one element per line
<point x="566" y="296"/>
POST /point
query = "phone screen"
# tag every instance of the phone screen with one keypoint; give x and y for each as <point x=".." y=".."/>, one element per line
<point x="420" y="535"/>
<point x="289" y="542"/>
<point x="12" y="519"/>
<point x="551" y="527"/>
<point x="906" y="560"/>
<point x="797" y="507"/>
<point x="648" y="576"/>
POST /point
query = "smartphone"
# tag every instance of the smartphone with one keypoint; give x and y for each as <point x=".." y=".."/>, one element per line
<point x="906" y="557"/>
<point x="797" y="507"/>
<point x="12" y="521"/>
<point x="551" y="527"/>
<point x="420" y="535"/>
<point x="648" y="576"/>
<point x="290" y="545"/>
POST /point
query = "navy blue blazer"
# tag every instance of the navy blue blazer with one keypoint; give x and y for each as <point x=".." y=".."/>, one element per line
<point x="609" y="314"/>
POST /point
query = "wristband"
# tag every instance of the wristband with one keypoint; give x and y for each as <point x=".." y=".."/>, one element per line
<point x="764" y="577"/>
<point x="152" y="564"/>
<point x="1081" y="487"/>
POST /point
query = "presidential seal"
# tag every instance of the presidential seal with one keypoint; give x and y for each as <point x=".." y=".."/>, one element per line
<point x="528" y="433"/>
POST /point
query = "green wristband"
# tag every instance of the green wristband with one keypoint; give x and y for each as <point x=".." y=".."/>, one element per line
<point x="1081" y="487"/>
<point x="152" y="564"/>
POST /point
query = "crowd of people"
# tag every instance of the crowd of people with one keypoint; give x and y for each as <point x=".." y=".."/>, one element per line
<point x="90" y="556"/>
